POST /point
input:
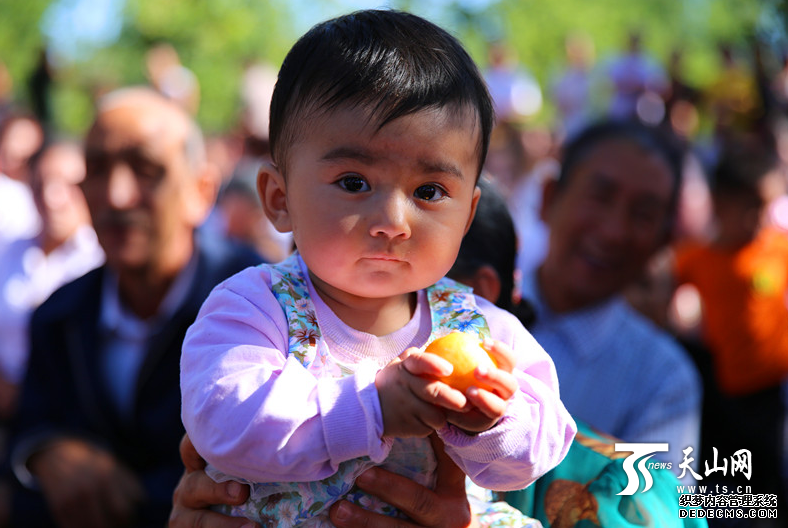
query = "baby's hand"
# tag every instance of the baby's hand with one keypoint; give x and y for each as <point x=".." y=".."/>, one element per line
<point x="487" y="406"/>
<point x="413" y="405"/>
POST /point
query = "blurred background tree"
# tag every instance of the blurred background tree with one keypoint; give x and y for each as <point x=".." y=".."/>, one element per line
<point x="216" y="39"/>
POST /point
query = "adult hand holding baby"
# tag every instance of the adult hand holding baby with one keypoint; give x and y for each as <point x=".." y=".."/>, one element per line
<point x="446" y="506"/>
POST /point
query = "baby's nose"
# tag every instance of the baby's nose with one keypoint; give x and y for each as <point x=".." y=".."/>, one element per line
<point x="391" y="217"/>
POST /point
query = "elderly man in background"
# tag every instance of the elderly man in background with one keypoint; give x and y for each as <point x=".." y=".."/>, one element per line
<point x="95" y="442"/>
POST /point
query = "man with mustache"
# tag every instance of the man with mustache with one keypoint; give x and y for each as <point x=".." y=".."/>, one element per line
<point x="95" y="443"/>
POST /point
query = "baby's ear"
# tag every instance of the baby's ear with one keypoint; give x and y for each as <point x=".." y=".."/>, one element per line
<point x="271" y="188"/>
<point x="477" y="192"/>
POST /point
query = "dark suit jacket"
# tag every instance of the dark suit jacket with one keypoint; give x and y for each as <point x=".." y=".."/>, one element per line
<point x="64" y="393"/>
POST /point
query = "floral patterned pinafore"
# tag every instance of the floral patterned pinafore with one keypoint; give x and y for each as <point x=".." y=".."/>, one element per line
<point x="306" y="504"/>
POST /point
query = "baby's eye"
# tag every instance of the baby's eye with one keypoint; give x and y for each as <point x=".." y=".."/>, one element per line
<point x="429" y="192"/>
<point x="353" y="184"/>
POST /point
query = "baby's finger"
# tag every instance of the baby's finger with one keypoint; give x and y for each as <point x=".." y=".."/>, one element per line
<point x="408" y="352"/>
<point x="502" y="383"/>
<point x="440" y="394"/>
<point x="432" y="417"/>
<point x="501" y="353"/>
<point x="487" y="403"/>
<point x="423" y="364"/>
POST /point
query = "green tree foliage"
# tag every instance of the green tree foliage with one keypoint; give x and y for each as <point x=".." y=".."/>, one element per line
<point x="537" y="29"/>
<point x="20" y="41"/>
<point x="217" y="38"/>
<point x="214" y="38"/>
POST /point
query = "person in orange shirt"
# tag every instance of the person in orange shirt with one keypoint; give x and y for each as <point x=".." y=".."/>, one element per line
<point x="742" y="275"/>
<point x="741" y="278"/>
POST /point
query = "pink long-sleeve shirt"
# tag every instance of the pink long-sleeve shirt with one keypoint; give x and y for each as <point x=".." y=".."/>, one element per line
<point x="257" y="414"/>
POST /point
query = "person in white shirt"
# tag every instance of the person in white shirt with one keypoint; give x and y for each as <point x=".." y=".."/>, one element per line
<point x="20" y="137"/>
<point x="31" y="268"/>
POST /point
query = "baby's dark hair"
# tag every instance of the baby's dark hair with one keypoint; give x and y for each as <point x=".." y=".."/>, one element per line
<point x="651" y="139"/>
<point x="492" y="241"/>
<point x="389" y="62"/>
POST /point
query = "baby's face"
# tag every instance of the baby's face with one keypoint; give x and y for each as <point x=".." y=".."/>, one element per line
<point x="381" y="213"/>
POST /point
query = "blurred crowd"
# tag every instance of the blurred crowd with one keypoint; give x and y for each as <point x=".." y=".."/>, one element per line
<point x="716" y="285"/>
<point x="713" y="287"/>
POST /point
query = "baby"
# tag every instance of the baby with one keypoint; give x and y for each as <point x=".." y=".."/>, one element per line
<point x="299" y="376"/>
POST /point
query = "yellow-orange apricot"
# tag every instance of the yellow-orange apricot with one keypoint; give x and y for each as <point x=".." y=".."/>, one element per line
<point x="464" y="351"/>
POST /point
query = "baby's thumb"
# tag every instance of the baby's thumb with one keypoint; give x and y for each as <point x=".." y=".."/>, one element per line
<point x="501" y="354"/>
<point x="408" y="352"/>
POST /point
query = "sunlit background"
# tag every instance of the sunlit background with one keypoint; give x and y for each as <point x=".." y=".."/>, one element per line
<point x="93" y="45"/>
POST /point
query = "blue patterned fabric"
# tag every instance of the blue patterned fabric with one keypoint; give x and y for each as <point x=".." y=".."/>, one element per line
<point x="306" y="504"/>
